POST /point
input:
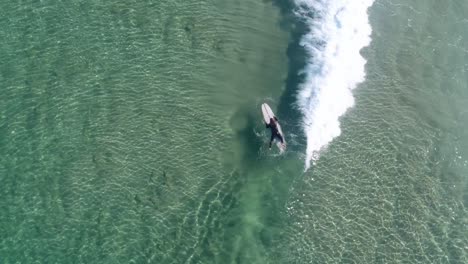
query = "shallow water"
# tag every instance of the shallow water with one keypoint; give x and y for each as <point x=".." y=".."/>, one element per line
<point x="131" y="133"/>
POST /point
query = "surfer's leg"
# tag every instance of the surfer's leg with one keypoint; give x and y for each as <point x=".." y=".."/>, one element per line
<point x="280" y="138"/>
<point x="272" y="138"/>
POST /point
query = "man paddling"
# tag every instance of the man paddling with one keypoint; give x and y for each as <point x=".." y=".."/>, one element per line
<point x="274" y="130"/>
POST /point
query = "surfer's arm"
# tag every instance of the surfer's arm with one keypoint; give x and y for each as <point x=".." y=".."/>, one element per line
<point x="267" y="125"/>
<point x="276" y="119"/>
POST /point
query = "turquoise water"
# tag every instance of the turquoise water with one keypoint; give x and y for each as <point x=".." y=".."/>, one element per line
<point x="130" y="132"/>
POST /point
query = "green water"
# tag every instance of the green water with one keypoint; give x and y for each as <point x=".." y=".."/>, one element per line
<point x="130" y="133"/>
<point x="123" y="128"/>
<point x="393" y="188"/>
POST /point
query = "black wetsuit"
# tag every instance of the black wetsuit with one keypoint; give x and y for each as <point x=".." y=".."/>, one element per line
<point x="274" y="132"/>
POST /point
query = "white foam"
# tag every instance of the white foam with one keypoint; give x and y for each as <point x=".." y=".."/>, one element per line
<point x="339" y="29"/>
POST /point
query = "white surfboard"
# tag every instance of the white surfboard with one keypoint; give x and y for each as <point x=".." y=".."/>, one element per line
<point x="267" y="114"/>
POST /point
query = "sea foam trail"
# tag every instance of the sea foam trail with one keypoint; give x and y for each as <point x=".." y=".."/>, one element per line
<point x="338" y="30"/>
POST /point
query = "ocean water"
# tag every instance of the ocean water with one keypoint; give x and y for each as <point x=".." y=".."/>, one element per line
<point x="130" y="132"/>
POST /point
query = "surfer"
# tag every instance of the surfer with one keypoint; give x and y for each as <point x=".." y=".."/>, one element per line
<point x="274" y="130"/>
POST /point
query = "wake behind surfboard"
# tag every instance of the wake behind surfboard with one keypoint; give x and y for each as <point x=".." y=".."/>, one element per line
<point x="267" y="115"/>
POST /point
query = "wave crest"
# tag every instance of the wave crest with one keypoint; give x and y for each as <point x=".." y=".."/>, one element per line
<point x="339" y="29"/>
